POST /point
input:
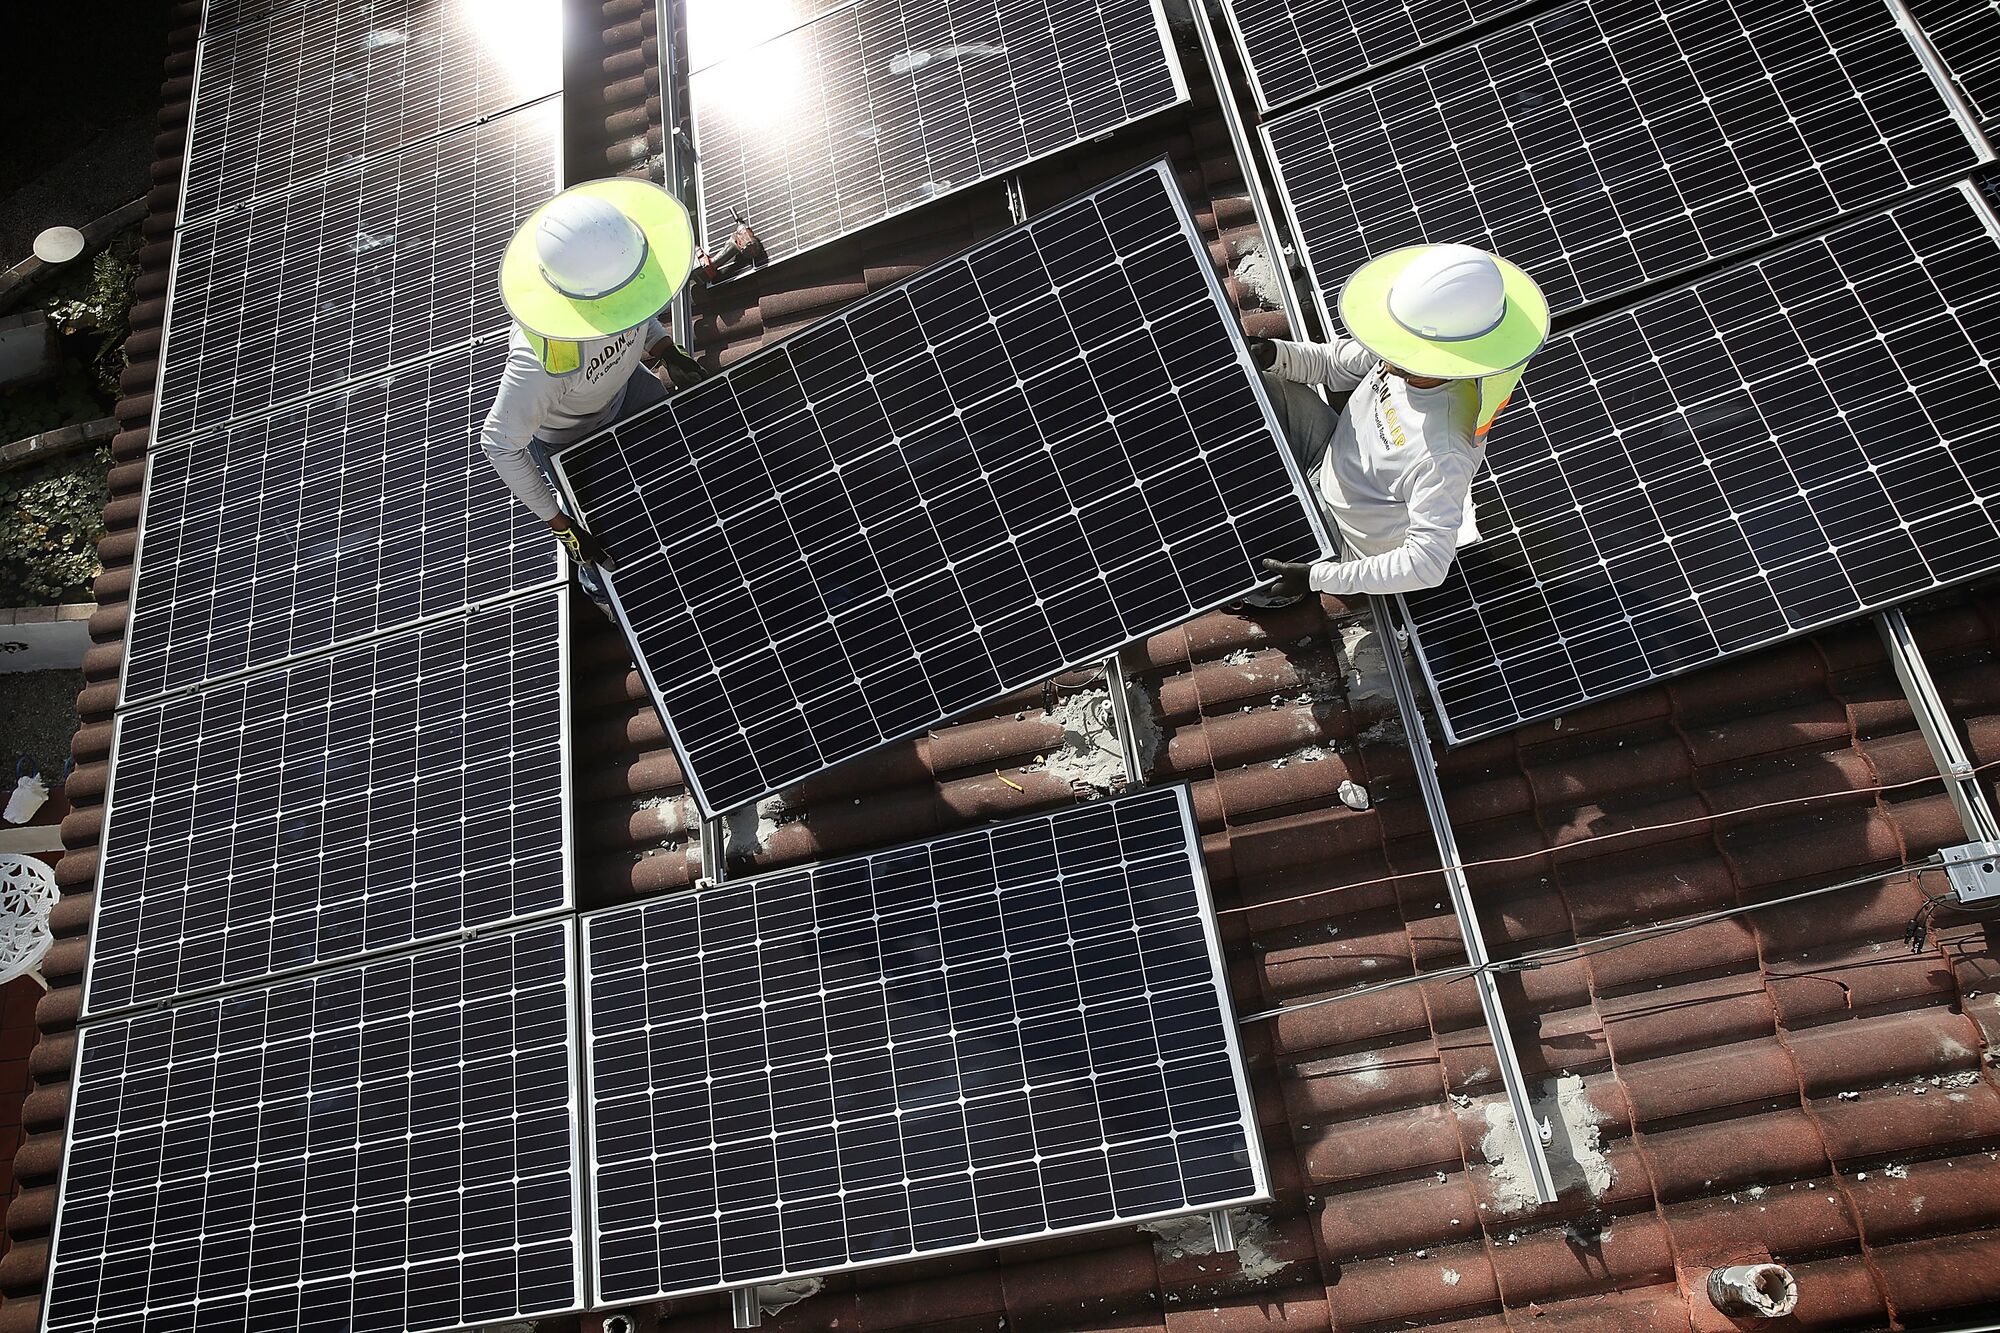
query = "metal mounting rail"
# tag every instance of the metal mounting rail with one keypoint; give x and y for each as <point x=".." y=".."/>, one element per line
<point x="1948" y="752"/>
<point x="1512" y="1077"/>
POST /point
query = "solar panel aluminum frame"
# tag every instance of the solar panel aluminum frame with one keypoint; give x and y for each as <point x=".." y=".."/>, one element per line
<point x="1266" y="106"/>
<point x="567" y="802"/>
<point x="572" y="974"/>
<point x="1987" y="214"/>
<point x="560" y="578"/>
<point x="182" y="219"/>
<point x="1315" y="517"/>
<point x="1956" y="93"/>
<point x="1982" y="149"/>
<point x="699" y="208"/>
<point x="1220" y="970"/>
<point x="174" y="273"/>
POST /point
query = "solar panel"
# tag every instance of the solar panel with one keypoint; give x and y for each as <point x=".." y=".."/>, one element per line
<point x="1294" y="48"/>
<point x="1779" y="447"/>
<point x="1000" y="1035"/>
<point x="348" y="514"/>
<point x="1966" y="36"/>
<point x="387" y="261"/>
<point x="718" y="29"/>
<point x="396" y="791"/>
<point x="1609" y="144"/>
<point x="882" y="105"/>
<point x="286" y="100"/>
<point x="1014" y="462"/>
<point x="387" y="1147"/>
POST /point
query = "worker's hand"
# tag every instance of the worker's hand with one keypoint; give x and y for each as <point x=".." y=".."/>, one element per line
<point x="578" y="542"/>
<point x="677" y="370"/>
<point x="1263" y="353"/>
<point x="1292" y="580"/>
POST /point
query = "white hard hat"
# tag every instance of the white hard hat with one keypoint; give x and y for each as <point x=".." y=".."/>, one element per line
<point x="1449" y="293"/>
<point x="588" y="248"/>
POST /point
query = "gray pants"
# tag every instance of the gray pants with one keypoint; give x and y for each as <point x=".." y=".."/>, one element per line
<point x="1308" y="422"/>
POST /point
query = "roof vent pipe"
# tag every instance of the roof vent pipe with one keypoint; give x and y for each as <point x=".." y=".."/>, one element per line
<point x="1759" y="1291"/>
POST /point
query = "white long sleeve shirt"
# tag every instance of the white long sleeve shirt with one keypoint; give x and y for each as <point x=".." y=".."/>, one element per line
<point x="1398" y="472"/>
<point x="556" y="409"/>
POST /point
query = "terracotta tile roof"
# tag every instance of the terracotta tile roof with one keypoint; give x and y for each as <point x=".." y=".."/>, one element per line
<point x="1790" y="1083"/>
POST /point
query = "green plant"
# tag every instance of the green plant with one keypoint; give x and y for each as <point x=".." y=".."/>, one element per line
<point x="50" y="519"/>
<point x="103" y="308"/>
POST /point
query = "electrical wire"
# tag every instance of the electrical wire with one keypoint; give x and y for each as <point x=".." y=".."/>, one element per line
<point x="1608" y="837"/>
<point x="1603" y="944"/>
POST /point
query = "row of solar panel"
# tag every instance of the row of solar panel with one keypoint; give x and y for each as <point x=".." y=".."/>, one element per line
<point x="1295" y="49"/>
<point x="322" y="751"/>
<point x="1778" y="447"/>
<point x="1000" y="1034"/>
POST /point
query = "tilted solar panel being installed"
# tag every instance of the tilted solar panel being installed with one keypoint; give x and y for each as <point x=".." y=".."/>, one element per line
<point x="1294" y="48"/>
<point x="348" y="514"/>
<point x="385" y="262"/>
<point x="280" y="102"/>
<point x="385" y="1147"/>
<point x="1012" y="463"/>
<point x="1000" y="1035"/>
<point x="879" y="106"/>
<point x="1966" y="36"/>
<point x="1776" y="448"/>
<point x="390" y="792"/>
<point x="1606" y="145"/>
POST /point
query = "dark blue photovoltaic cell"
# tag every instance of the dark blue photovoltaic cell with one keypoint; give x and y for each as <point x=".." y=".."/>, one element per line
<point x="387" y="1147"/>
<point x="396" y="791"/>
<point x="1014" y="462"/>
<point x="346" y="515"/>
<point x="1609" y="144"/>
<point x="1298" y="47"/>
<point x="385" y="262"/>
<point x="998" y="1035"/>
<point x="1771" y="450"/>
<point x="282" y="101"/>
<point x="879" y="106"/>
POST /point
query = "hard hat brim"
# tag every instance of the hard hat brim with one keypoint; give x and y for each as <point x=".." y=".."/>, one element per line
<point x="1364" y="309"/>
<point x="541" y="309"/>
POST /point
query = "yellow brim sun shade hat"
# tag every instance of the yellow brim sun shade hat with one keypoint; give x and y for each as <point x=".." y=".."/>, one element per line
<point x="1452" y="321"/>
<point x="625" y="301"/>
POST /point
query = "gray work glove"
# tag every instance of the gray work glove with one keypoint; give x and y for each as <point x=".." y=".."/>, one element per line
<point x="1292" y="580"/>
<point x="1263" y="352"/>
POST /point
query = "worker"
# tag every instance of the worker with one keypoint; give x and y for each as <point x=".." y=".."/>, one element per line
<point x="585" y="278"/>
<point x="1440" y="334"/>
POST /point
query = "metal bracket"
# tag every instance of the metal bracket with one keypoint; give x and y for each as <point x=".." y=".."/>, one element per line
<point x="714" y="850"/>
<point x="1974" y="871"/>
<point x="745" y="1309"/>
<point x="1939" y="728"/>
<point x="1223" y="1228"/>
<point x="1121" y="719"/>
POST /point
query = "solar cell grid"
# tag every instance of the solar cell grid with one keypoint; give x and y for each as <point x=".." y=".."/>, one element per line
<point x="390" y="792"/>
<point x="1776" y="448"/>
<point x="385" y="262"/>
<point x="385" y="1147"/>
<point x="348" y="514"/>
<point x="879" y="106"/>
<point x="1002" y="1034"/>
<point x="1966" y="36"/>
<point x="1608" y="144"/>
<point x="1012" y="463"/>
<point x="285" y="100"/>
<point x="1298" y="47"/>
